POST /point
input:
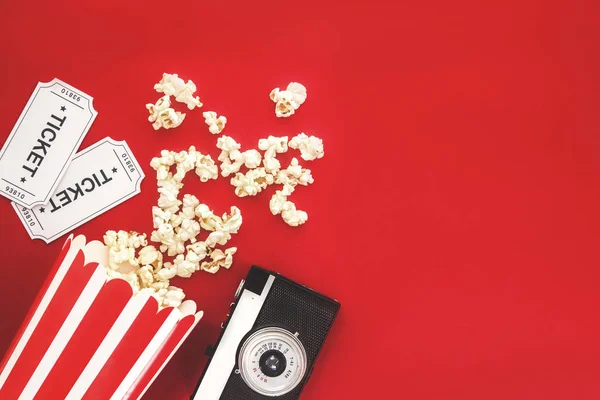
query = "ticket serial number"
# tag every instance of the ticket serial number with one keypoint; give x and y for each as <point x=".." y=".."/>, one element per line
<point x="128" y="162"/>
<point x="70" y="94"/>
<point x="15" y="193"/>
<point x="28" y="217"/>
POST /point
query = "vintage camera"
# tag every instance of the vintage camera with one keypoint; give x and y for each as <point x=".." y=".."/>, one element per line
<point x="269" y="344"/>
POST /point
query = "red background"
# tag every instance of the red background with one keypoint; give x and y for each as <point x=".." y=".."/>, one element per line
<point x="455" y="215"/>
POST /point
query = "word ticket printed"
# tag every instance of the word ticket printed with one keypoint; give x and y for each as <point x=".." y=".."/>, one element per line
<point x="45" y="138"/>
<point x="99" y="178"/>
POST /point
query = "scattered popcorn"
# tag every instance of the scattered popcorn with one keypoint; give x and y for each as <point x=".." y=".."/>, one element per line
<point x="231" y="158"/>
<point x="298" y="91"/>
<point x="185" y="161"/>
<point x="175" y="247"/>
<point x="252" y="182"/>
<point x="146" y="276"/>
<point x="280" y="144"/>
<point x="294" y="175"/>
<point x="252" y="158"/>
<point x="155" y="110"/>
<point x="159" y="216"/>
<point x="121" y="248"/>
<point x="164" y="234"/>
<point x="150" y="256"/>
<point x="232" y="221"/>
<point x="188" y="230"/>
<point x="289" y="100"/>
<point x="169" y="84"/>
<point x="168" y="200"/>
<point x="219" y="259"/>
<point x="290" y="177"/>
<point x="291" y="216"/>
<point x="173" y="297"/>
<point x="227" y="144"/>
<point x="186" y="265"/>
<point x="208" y="220"/>
<point x="169" y="119"/>
<point x="171" y="186"/>
<point x="160" y="286"/>
<point x="215" y="125"/>
<point x="190" y="202"/>
<point x="163" y="116"/>
<point x="217" y="237"/>
<point x="229" y="257"/>
<point x="161" y="164"/>
<point x="277" y="202"/>
<point x="200" y="248"/>
<point x="178" y="222"/>
<point x="271" y="146"/>
<point x="228" y="167"/>
<point x="173" y="85"/>
<point x="133" y="239"/>
<point x="124" y="239"/>
<point x="187" y="96"/>
<point x="206" y="168"/>
<point x="310" y="148"/>
<point x="288" y="189"/>
<point x="168" y="271"/>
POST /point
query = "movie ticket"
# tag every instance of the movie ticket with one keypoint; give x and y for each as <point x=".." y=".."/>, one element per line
<point x="98" y="179"/>
<point x="45" y="138"/>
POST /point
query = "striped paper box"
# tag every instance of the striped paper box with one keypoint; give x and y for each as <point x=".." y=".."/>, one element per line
<point x="87" y="337"/>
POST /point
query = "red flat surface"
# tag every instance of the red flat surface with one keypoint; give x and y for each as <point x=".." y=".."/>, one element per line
<point x="455" y="214"/>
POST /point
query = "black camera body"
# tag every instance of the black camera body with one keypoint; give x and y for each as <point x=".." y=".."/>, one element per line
<point x="270" y="342"/>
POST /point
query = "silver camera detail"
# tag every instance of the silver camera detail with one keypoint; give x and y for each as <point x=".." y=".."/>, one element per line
<point x="272" y="361"/>
<point x="269" y="344"/>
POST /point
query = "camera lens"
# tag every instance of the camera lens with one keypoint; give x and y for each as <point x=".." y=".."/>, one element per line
<point x="272" y="363"/>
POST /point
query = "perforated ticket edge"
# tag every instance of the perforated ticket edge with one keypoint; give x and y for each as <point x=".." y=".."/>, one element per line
<point x="13" y="133"/>
<point x="136" y="190"/>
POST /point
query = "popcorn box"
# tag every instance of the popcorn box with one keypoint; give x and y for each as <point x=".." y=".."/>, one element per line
<point x="88" y="337"/>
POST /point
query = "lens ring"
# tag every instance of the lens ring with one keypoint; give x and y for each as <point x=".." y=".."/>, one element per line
<point x="272" y="363"/>
<point x="261" y="361"/>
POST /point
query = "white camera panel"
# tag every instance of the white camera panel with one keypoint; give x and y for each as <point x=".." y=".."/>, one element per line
<point x="241" y="322"/>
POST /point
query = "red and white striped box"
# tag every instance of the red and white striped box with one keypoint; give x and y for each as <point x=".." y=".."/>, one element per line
<point x="87" y="337"/>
